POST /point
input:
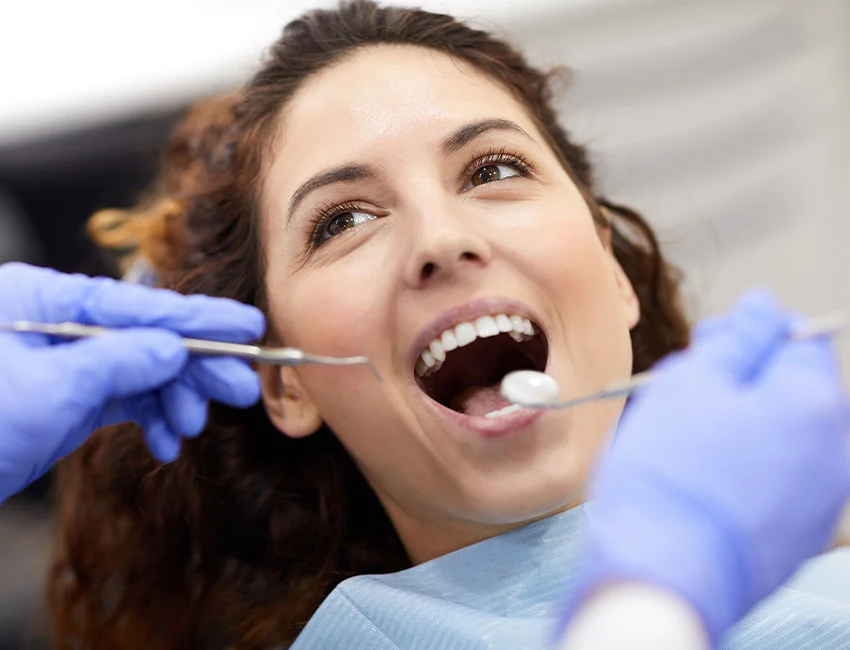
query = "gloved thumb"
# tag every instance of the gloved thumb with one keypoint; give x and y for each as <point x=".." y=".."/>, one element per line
<point x="119" y="364"/>
<point x="742" y="342"/>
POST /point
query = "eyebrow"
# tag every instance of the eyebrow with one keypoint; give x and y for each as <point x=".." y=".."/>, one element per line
<point x="345" y="174"/>
<point x="465" y="134"/>
<point x="349" y="173"/>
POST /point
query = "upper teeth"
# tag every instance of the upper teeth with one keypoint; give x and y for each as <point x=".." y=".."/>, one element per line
<point x="431" y="359"/>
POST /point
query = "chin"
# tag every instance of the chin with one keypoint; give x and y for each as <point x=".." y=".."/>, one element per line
<point x="525" y="503"/>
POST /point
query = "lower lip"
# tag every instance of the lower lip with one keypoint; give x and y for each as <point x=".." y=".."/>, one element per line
<point x="497" y="427"/>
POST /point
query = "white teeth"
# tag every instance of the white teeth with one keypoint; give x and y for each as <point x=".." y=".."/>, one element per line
<point x="503" y="323"/>
<point x="438" y="351"/>
<point x="521" y="329"/>
<point x="428" y="364"/>
<point x="428" y="358"/>
<point x="486" y="327"/>
<point x="507" y="410"/>
<point x="448" y="340"/>
<point x="465" y="334"/>
<point x="431" y="359"/>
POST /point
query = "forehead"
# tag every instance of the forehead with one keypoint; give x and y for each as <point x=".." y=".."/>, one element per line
<point x="382" y="99"/>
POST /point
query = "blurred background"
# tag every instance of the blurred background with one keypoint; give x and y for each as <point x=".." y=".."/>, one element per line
<point x="726" y="122"/>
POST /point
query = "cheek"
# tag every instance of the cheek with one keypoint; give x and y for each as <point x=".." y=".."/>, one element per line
<point x="337" y="311"/>
<point x="558" y="243"/>
<point x="329" y="311"/>
<point x="571" y="266"/>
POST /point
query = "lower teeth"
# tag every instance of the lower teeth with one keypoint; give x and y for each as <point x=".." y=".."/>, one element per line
<point x="503" y="411"/>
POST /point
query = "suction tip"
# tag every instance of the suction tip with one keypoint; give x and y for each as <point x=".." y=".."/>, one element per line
<point x="530" y="388"/>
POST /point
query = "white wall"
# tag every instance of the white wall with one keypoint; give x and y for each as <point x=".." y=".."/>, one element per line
<point x="726" y="123"/>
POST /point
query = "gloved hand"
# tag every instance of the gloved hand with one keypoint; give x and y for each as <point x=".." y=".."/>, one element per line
<point x="54" y="393"/>
<point x="727" y="472"/>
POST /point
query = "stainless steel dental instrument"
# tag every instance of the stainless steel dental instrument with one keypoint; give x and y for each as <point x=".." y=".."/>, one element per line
<point x="200" y="347"/>
<point x="531" y="389"/>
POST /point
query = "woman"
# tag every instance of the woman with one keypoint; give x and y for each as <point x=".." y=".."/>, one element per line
<point x="395" y="184"/>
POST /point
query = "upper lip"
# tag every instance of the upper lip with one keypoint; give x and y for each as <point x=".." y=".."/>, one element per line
<point x="463" y="313"/>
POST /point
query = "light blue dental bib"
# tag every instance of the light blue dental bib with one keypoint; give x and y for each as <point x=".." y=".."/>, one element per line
<point x="506" y="592"/>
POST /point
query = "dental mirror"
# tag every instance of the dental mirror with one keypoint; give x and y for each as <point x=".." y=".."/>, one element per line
<point x="537" y="390"/>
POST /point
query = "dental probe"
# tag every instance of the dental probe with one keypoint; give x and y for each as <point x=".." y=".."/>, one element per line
<point x="200" y="347"/>
<point x="537" y="390"/>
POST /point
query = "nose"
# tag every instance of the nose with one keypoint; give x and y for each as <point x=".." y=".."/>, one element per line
<point x="444" y="245"/>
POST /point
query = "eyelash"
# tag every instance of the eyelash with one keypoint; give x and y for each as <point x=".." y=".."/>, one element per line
<point x="498" y="156"/>
<point x="323" y="217"/>
<point x="326" y="213"/>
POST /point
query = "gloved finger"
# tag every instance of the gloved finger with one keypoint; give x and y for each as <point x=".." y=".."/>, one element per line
<point x="808" y="370"/>
<point x="708" y="327"/>
<point x="70" y="444"/>
<point x="163" y="443"/>
<point x="120" y="304"/>
<point x="185" y="410"/>
<point x="19" y="341"/>
<point x="118" y="364"/>
<point x="34" y="293"/>
<point x="817" y="352"/>
<point x="227" y="380"/>
<point x="743" y="342"/>
<point x="49" y="296"/>
<point x="46" y="295"/>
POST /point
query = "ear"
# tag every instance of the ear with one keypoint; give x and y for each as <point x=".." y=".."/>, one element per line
<point x="288" y="406"/>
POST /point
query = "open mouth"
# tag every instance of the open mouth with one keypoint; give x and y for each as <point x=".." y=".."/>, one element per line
<point x="462" y="369"/>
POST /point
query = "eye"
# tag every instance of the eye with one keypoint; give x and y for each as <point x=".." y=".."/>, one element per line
<point x="334" y="222"/>
<point x="496" y="165"/>
<point x="490" y="173"/>
<point x="345" y="221"/>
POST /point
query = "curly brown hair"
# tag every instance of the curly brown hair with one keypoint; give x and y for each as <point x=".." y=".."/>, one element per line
<point x="236" y="543"/>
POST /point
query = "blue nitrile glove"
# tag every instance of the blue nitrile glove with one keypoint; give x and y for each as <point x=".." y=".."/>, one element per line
<point x="727" y="472"/>
<point x="54" y="393"/>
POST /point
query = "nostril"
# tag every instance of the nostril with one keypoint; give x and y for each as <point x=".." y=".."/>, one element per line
<point x="446" y="261"/>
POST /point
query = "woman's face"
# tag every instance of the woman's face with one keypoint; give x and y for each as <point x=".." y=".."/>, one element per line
<point x="411" y="205"/>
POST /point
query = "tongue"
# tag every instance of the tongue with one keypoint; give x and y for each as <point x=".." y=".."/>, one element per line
<point x="480" y="400"/>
